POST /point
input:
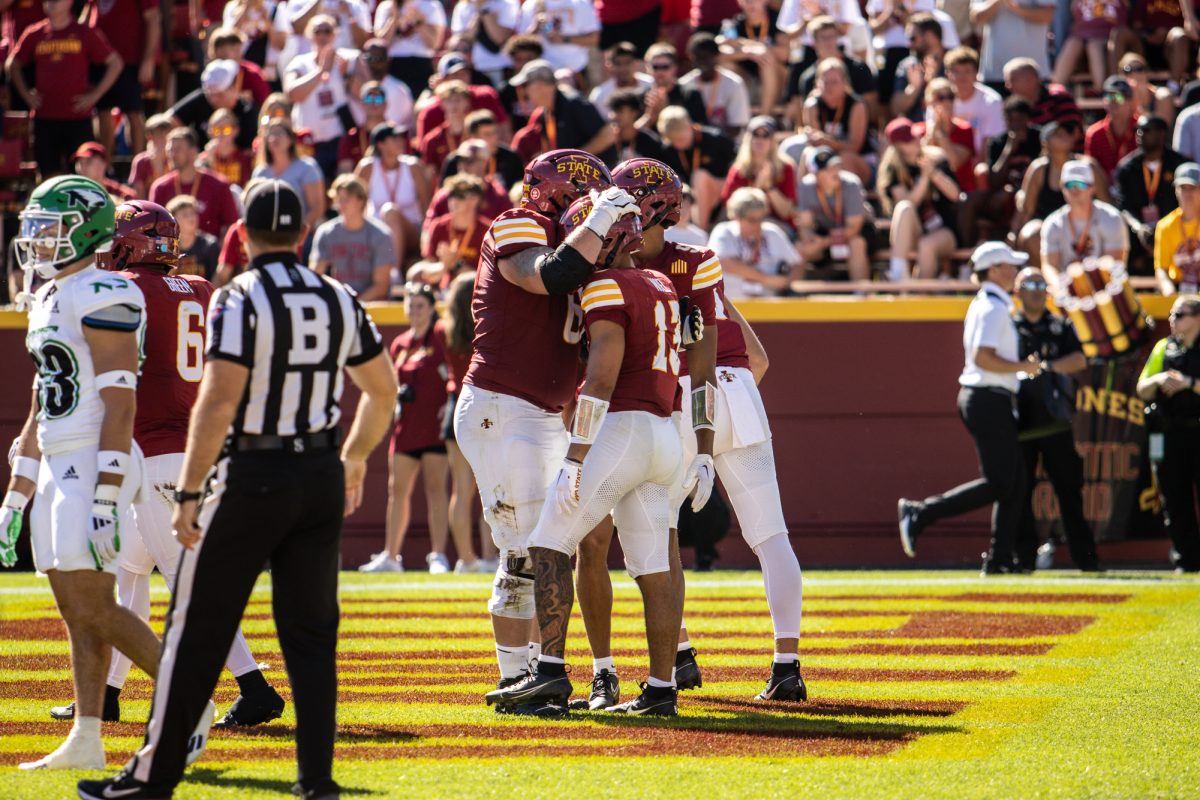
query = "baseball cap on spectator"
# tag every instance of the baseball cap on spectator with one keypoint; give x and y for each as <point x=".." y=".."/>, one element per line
<point x="1114" y="84"/>
<point x="991" y="254"/>
<point x="386" y="130"/>
<point x="1077" y="171"/>
<point x="89" y="150"/>
<point x="297" y="9"/>
<point x="219" y="75"/>
<point x="761" y="121"/>
<point x="1149" y="121"/>
<point x="822" y="157"/>
<point x="1187" y="174"/>
<point x="899" y="131"/>
<point x="450" y="64"/>
<point x="273" y="205"/>
<point x="539" y="69"/>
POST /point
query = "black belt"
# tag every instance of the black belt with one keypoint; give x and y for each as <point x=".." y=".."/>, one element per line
<point x="305" y="442"/>
<point x="994" y="390"/>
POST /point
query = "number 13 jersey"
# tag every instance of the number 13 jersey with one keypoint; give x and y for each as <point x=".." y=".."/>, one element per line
<point x="173" y="353"/>
<point x="70" y="411"/>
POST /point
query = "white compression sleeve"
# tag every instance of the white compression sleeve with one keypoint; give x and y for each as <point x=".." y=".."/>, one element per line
<point x="781" y="579"/>
<point x="133" y="592"/>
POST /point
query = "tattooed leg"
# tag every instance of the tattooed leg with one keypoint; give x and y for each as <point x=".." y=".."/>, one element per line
<point x="554" y="594"/>
<point x="662" y="610"/>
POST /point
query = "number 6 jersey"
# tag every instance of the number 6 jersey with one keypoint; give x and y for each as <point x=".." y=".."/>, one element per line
<point x="173" y="356"/>
<point x="70" y="410"/>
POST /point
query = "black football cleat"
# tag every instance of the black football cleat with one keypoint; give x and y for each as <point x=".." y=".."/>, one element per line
<point x="252" y="710"/>
<point x="687" y="671"/>
<point x="111" y="713"/>
<point x="124" y="787"/>
<point x="786" y="683"/>
<point x="654" y="701"/>
<point x="906" y="517"/>
<point x="606" y="692"/>
<point x="536" y="688"/>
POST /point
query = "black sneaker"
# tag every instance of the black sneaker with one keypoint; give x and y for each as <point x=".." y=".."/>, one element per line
<point x="654" y="701"/>
<point x="122" y="787"/>
<point x="606" y="692"/>
<point x="906" y="515"/>
<point x="111" y="713"/>
<point x="786" y="683"/>
<point x="252" y="710"/>
<point x="687" y="671"/>
<point x="537" y="688"/>
<point x="327" y="791"/>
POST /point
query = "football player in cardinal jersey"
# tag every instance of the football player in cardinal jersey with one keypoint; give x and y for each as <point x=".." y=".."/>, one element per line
<point x="623" y="459"/>
<point x="524" y="370"/>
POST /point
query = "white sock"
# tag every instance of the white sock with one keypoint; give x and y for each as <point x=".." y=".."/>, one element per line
<point x="133" y="592"/>
<point x="657" y="684"/>
<point x="786" y="658"/>
<point x="513" y="660"/>
<point x="599" y="664"/>
<point x="686" y="644"/>
<point x="535" y="651"/>
<point x="897" y="268"/>
<point x="550" y="660"/>
<point x="783" y="584"/>
<point x="86" y="726"/>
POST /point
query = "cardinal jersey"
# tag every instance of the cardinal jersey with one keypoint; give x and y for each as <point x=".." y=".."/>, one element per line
<point x="695" y="272"/>
<point x="644" y="303"/>
<point x="70" y="410"/>
<point x="731" y="343"/>
<point x="526" y="345"/>
<point x="173" y="349"/>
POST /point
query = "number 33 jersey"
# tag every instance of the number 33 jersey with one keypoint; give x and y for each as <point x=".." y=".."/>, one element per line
<point x="70" y="410"/>
<point x="173" y="357"/>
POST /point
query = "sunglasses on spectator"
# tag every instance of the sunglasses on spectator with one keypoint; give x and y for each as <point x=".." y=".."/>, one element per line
<point x="1180" y="315"/>
<point x="267" y="119"/>
<point x="944" y="98"/>
<point x="1076" y="186"/>
<point x="322" y="30"/>
<point x="761" y="133"/>
<point x="1114" y="97"/>
<point x="1033" y="286"/>
<point x="754" y="219"/>
<point x="375" y="58"/>
<point x="222" y="130"/>
<point x="1129" y="69"/>
<point x="661" y="66"/>
<point x="374" y="99"/>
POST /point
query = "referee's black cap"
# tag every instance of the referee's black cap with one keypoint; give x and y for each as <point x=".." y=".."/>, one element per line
<point x="273" y="206"/>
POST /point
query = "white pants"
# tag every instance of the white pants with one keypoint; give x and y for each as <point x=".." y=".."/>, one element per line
<point x="742" y="454"/>
<point x="629" y="472"/>
<point x="151" y="543"/>
<point x="62" y="509"/>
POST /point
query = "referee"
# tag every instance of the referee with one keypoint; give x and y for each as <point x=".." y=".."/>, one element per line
<point x="987" y="405"/>
<point x="267" y="417"/>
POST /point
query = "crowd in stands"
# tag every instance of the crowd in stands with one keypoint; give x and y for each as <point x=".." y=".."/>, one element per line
<point x="819" y="139"/>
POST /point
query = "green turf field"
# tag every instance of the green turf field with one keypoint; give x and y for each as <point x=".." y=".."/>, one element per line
<point x="921" y="685"/>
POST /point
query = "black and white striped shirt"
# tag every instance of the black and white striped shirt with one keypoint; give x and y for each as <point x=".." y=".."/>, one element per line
<point x="295" y="331"/>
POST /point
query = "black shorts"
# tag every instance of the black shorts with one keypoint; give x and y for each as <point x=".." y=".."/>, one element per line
<point x="448" y="419"/>
<point x="437" y="449"/>
<point x="125" y="93"/>
<point x="55" y="142"/>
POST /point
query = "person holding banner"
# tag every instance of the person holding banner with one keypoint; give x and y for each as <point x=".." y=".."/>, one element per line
<point x="1169" y="381"/>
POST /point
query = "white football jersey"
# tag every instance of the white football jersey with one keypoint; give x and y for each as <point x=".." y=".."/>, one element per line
<point x="70" y="409"/>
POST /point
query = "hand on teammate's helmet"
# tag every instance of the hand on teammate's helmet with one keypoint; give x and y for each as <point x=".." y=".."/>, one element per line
<point x="104" y="535"/>
<point x="566" y="485"/>
<point x="608" y="207"/>
<point x="10" y="531"/>
<point x="691" y="322"/>
<point x="699" y="477"/>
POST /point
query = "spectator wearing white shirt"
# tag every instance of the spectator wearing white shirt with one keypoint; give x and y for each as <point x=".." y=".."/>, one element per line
<point x="569" y="31"/>
<point x="292" y="18"/>
<point x="413" y="30"/>
<point x="974" y="103"/>
<point x="888" y="20"/>
<point x="620" y="63"/>
<point x="796" y="15"/>
<point x="756" y="255"/>
<point x="485" y="26"/>
<point x="726" y="100"/>
<point x="1186" y="139"/>
<point x="1012" y="29"/>
<point x="685" y="231"/>
<point x="315" y="82"/>
<point x="398" y="106"/>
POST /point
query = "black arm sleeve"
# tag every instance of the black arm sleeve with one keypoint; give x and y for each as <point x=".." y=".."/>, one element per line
<point x="564" y="270"/>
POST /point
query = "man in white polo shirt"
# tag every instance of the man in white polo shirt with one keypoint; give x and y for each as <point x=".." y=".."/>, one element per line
<point x="987" y="406"/>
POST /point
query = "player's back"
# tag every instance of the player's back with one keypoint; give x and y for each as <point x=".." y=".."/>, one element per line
<point x="644" y="303"/>
<point x="173" y="349"/>
<point x="696" y="274"/>
<point x="526" y="345"/>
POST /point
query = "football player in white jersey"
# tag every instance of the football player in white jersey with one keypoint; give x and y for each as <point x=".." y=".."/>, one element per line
<point x="76" y="457"/>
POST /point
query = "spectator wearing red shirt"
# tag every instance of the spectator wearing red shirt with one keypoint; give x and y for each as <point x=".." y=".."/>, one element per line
<point x="450" y="243"/>
<point x="472" y="158"/>
<point x="1115" y="136"/>
<point x="134" y="27"/>
<point x="228" y="43"/>
<point x="758" y="163"/>
<point x="353" y="146"/>
<point x="91" y="161"/>
<point x="151" y="164"/>
<point x="455" y="67"/>
<point x="62" y="101"/>
<point x="952" y="135"/>
<point x="218" y="210"/>
<point x="440" y="142"/>
<point x="221" y="154"/>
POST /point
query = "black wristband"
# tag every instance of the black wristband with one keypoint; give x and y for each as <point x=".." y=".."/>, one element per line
<point x="564" y="270"/>
<point x="185" y="497"/>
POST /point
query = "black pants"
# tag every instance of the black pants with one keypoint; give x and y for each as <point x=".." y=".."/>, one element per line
<point x="1063" y="465"/>
<point x="1178" y="480"/>
<point x="276" y="507"/>
<point x="989" y="417"/>
<point x="640" y="32"/>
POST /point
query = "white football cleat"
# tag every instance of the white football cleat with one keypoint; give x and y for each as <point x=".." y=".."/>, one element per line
<point x="199" y="738"/>
<point x="79" y="751"/>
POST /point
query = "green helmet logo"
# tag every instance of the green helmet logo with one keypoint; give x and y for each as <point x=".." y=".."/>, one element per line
<point x="68" y="218"/>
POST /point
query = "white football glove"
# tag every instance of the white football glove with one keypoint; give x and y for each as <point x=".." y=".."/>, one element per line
<point x="608" y="207"/>
<point x="11" y="515"/>
<point x="699" y="477"/>
<point x="104" y="533"/>
<point x="566" y="485"/>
